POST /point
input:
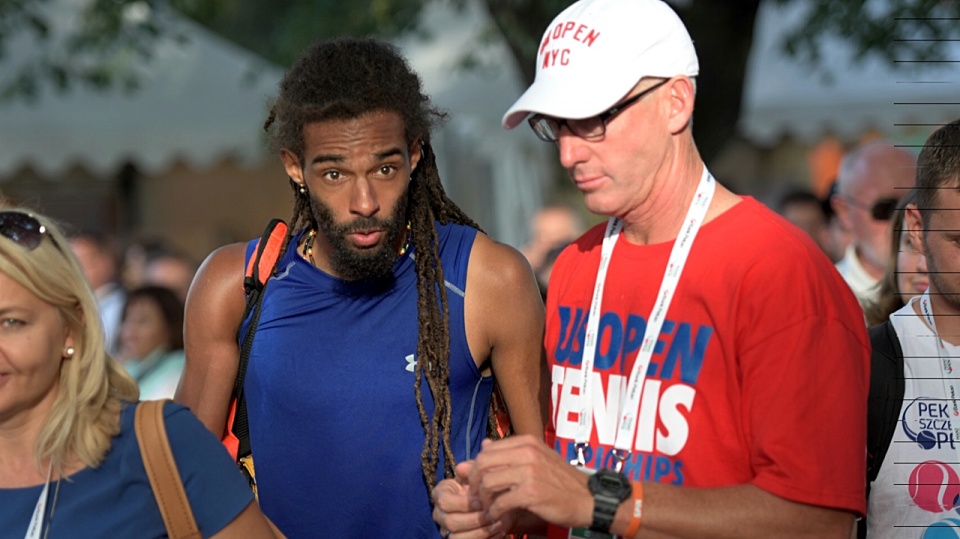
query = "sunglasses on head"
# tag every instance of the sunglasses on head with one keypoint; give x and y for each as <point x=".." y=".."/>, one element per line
<point x="24" y="230"/>
<point x="881" y="210"/>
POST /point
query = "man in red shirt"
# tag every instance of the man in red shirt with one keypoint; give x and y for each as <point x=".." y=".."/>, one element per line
<point x="709" y="365"/>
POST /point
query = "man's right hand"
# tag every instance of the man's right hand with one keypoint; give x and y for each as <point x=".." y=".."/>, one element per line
<point x="521" y="477"/>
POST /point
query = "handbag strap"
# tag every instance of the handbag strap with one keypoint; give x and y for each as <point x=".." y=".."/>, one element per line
<point x="162" y="471"/>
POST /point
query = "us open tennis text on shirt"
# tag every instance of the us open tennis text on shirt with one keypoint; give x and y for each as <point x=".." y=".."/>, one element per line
<point x="668" y="391"/>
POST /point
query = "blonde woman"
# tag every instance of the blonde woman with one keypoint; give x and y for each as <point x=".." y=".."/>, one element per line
<point x="70" y="464"/>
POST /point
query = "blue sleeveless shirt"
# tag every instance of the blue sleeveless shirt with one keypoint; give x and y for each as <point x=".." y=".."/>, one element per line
<point x="334" y="427"/>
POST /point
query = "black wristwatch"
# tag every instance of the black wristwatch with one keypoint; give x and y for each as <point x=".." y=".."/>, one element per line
<point x="609" y="489"/>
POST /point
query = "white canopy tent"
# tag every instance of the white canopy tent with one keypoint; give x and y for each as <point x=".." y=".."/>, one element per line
<point x="783" y="97"/>
<point x="497" y="176"/>
<point x="198" y="102"/>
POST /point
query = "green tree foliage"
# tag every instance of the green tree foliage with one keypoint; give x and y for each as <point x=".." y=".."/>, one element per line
<point x="280" y="29"/>
<point x="899" y="31"/>
<point x="98" y="45"/>
<point x="107" y="38"/>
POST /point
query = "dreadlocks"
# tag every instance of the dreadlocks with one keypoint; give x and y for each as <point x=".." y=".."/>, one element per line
<point x="344" y="79"/>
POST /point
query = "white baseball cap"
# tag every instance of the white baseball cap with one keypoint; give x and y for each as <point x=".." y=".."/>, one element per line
<point x="596" y="51"/>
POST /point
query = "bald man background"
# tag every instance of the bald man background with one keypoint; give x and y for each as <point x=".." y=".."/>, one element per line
<point x="872" y="178"/>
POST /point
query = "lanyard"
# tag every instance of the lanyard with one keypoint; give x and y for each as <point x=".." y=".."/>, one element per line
<point x="36" y="523"/>
<point x="629" y="408"/>
<point x="951" y="384"/>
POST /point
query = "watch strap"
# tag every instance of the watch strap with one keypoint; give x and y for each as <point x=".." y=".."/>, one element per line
<point x="604" y="510"/>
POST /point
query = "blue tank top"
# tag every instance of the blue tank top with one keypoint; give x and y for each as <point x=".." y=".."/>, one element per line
<point x="334" y="427"/>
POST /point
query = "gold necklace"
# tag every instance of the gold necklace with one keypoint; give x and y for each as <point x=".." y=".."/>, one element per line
<point x="308" y="245"/>
<point x="406" y="242"/>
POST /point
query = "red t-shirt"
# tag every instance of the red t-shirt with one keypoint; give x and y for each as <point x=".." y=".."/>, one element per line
<point x="760" y="373"/>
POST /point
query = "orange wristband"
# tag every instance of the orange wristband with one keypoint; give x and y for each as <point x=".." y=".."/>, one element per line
<point x="636" y="510"/>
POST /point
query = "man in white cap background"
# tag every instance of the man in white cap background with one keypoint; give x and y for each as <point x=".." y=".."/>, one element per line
<point x="709" y="365"/>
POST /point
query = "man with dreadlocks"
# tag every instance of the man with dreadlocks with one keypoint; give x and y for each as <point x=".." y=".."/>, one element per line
<point x="386" y="321"/>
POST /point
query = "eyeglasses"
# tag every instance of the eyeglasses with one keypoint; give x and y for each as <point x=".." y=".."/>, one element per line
<point x="24" y="230"/>
<point x="593" y="128"/>
<point x="881" y="210"/>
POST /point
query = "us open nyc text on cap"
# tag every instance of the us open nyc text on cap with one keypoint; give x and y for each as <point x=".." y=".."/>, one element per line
<point x="596" y="51"/>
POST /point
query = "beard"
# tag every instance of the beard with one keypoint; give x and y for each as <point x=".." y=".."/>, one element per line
<point x="352" y="263"/>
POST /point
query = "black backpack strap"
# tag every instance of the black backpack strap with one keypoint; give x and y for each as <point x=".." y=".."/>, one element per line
<point x="885" y="401"/>
<point x="269" y="249"/>
<point x="886" y="394"/>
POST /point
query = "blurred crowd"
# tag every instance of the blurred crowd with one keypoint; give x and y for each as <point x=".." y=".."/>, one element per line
<point x="140" y="289"/>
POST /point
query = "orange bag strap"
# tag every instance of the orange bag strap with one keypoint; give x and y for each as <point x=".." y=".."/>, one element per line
<point x="269" y="249"/>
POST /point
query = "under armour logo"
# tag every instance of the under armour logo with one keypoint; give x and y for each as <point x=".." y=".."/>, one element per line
<point x="411" y="363"/>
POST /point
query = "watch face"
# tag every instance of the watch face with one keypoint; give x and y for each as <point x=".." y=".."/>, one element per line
<point x="610" y="483"/>
<point x="609" y="489"/>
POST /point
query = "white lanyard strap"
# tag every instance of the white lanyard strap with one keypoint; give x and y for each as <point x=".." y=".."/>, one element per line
<point x="951" y="387"/>
<point x="584" y="424"/>
<point x="626" y="422"/>
<point x="36" y="523"/>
